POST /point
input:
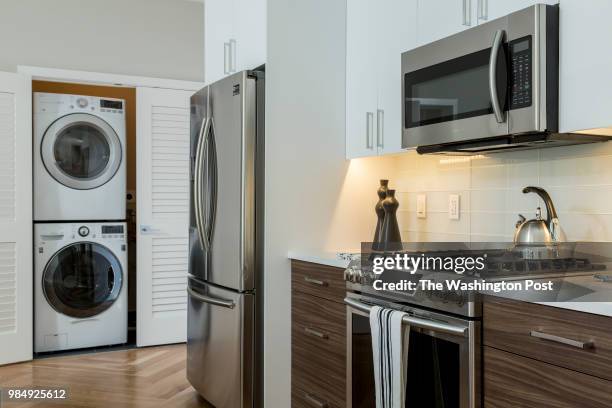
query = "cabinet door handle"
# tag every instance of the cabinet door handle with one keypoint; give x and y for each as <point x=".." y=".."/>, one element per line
<point x="316" y="333"/>
<point x="562" y="340"/>
<point x="315" y="281"/>
<point x="467" y="13"/>
<point x="369" y="130"/>
<point x="232" y="66"/>
<point x="483" y="9"/>
<point x="315" y="401"/>
<point x="226" y="57"/>
<point x="380" y="128"/>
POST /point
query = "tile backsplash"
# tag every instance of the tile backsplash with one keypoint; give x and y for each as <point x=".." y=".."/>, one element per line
<point x="578" y="179"/>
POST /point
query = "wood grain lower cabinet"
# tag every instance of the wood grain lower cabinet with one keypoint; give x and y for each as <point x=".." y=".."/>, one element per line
<point x="512" y="381"/>
<point x="566" y="338"/>
<point x="541" y="356"/>
<point x="318" y="337"/>
<point x="317" y="280"/>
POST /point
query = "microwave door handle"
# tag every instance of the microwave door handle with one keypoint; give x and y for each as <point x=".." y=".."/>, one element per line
<point x="496" y="48"/>
<point x="426" y="324"/>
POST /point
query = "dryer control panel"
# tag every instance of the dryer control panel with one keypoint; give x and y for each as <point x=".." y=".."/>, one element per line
<point x="113" y="231"/>
<point x="62" y="104"/>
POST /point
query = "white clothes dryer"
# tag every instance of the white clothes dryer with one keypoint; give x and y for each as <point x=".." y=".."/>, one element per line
<point x="79" y="158"/>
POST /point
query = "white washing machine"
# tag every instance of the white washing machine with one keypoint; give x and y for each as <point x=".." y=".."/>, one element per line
<point x="79" y="158"/>
<point x="80" y="290"/>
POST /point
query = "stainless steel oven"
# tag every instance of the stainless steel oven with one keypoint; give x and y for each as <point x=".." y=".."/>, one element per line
<point x="444" y="358"/>
<point x="491" y="87"/>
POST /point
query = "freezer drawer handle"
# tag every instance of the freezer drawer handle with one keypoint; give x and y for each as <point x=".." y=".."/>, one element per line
<point x="213" y="301"/>
<point x="315" y="333"/>
<point x="315" y="401"/>
<point x="315" y="281"/>
<point x="562" y="340"/>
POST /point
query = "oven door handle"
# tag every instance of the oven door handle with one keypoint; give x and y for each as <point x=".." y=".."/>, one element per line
<point x="415" y="321"/>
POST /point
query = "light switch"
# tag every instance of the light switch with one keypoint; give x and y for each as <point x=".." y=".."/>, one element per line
<point x="422" y="206"/>
<point x="453" y="206"/>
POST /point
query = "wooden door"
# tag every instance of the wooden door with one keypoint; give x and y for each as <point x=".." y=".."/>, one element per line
<point x="162" y="181"/>
<point x="16" y="272"/>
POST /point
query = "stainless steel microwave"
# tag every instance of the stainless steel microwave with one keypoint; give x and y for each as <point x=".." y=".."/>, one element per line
<point x="489" y="88"/>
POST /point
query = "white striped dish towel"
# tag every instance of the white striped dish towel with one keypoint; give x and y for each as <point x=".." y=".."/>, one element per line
<point x="390" y="351"/>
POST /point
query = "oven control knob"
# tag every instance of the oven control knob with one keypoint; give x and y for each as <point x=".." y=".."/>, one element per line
<point x="351" y="275"/>
<point x="83" y="231"/>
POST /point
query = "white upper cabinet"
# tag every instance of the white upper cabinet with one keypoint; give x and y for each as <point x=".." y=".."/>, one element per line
<point x="218" y="32"/>
<point x="234" y="36"/>
<point x="440" y="18"/>
<point x="491" y="9"/>
<point x="396" y="33"/>
<point x="250" y="34"/>
<point x="377" y="34"/>
<point x="585" y="66"/>
<point x="361" y="92"/>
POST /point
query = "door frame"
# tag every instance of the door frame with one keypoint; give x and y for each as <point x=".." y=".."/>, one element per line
<point x="105" y="79"/>
<point x="101" y="78"/>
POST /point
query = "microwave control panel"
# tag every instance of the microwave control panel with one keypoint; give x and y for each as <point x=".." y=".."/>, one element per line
<point x="520" y="72"/>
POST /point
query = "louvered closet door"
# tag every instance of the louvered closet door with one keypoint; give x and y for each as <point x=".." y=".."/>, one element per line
<point x="15" y="218"/>
<point x="162" y="134"/>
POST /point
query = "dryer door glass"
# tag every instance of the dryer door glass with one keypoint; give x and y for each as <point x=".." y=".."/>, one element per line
<point x="81" y="151"/>
<point x="82" y="280"/>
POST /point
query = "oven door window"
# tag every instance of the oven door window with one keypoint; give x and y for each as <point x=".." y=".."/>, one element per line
<point x="434" y="369"/>
<point x="454" y="89"/>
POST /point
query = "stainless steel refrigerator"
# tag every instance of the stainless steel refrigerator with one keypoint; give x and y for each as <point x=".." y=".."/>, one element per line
<point x="225" y="285"/>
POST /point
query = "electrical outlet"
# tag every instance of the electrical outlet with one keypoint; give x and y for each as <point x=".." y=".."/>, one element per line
<point x="453" y="207"/>
<point x="422" y="206"/>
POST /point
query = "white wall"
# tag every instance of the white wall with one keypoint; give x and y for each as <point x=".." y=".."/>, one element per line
<point x="315" y="199"/>
<point x="578" y="178"/>
<point x="157" y="38"/>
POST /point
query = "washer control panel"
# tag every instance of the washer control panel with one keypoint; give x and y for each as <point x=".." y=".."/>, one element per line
<point x="60" y="234"/>
<point x="83" y="231"/>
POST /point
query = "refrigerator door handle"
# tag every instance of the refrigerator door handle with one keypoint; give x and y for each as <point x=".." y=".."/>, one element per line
<point x="197" y="182"/>
<point x="210" y="157"/>
<point x="213" y="301"/>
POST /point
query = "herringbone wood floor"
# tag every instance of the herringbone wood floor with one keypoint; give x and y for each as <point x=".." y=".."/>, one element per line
<point x="147" y="377"/>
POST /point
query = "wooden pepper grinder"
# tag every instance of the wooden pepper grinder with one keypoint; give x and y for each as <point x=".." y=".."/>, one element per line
<point x="380" y="213"/>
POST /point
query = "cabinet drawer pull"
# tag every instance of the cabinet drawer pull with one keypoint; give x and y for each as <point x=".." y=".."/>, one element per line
<point x="380" y="128"/>
<point x="467" y="13"/>
<point x="562" y="340"/>
<point x="226" y="57"/>
<point x="315" y="281"/>
<point x="317" y="402"/>
<point x="369" y="130"/>
<point x="315" y="333"/>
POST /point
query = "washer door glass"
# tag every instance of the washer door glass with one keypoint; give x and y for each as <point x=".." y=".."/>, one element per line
<point x="82" y="280"/>
<point x="81" y="151"/>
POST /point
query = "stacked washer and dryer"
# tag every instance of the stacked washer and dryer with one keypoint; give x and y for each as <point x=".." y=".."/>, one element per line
<point x="80" y="236"/>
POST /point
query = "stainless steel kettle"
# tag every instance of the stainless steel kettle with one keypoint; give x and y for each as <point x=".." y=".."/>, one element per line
<point x="539" y="231"/>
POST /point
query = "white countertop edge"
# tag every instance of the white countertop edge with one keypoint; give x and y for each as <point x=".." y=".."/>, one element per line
<point x="323" y="258"/>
